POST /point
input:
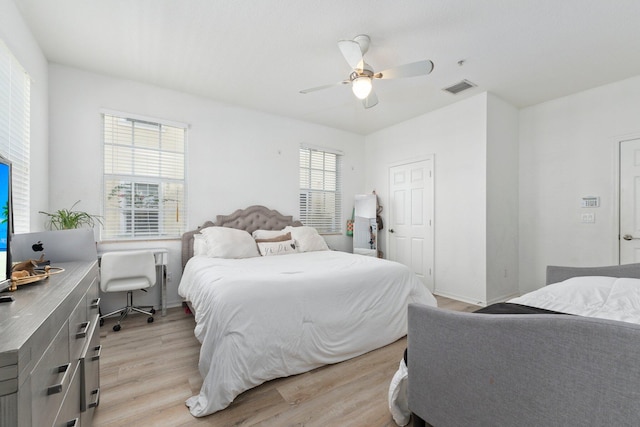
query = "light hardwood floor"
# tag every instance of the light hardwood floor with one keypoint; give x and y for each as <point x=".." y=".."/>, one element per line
<point x="147" y="371"/>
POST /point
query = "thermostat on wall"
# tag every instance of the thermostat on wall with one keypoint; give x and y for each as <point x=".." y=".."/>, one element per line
<point x="590" y="202"/>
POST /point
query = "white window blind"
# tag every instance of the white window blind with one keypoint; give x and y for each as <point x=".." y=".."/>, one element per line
<point x="321" y="190"/>
<point x="144" y="179"/>
<point x="15" y="125"/>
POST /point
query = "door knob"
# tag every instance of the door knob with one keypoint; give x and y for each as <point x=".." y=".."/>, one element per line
<point x="627" y="237"/>
<point x="391" y="231"/>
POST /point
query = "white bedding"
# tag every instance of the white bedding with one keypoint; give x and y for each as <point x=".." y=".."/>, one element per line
<point x="268" y="317"/>
<point x="593" y="296"/>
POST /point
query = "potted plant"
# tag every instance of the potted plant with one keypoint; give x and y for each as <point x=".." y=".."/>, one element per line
<point x="65" y="219"/>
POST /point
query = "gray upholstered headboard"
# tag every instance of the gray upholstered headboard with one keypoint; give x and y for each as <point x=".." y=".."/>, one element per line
<point x="250" y="219"/>
<point x="557" y="274"/>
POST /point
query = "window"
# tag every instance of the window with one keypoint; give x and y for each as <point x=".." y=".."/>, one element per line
<point x="321" y="190"/>
<point x="15" y="125"/>
<point x="144" y="179"/>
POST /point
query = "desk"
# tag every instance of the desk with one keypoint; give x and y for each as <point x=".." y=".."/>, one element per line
<point x="49" y="329"/>
<point x="161" y="255"/>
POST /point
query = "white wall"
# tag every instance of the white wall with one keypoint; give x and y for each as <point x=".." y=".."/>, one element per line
<point x="567" y="151"/>
<point x="502" y="200"/>
<point x="236" y="157"/>
<point x="545" y="157"/>
<point x="456" y="135"/>
<point x="20" y="41"/>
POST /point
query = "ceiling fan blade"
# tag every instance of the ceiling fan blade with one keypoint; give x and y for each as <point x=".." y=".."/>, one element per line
<point x="313" y="89"/>
<point x="371" y="100"/>
<point x="419" y="68"/>
<point x="351" y="52"/>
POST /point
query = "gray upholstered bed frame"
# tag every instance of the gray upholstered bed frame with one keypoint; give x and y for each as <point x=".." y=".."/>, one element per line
<point x="253" y="218"/>
<point x="470" y="369"/>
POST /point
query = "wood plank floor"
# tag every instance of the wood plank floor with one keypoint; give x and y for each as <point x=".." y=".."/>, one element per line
<point x="147" y="371"/>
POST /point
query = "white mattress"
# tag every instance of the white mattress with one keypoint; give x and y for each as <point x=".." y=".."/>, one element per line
<point x="269" y="317"/>
<point x="593" y="296"/>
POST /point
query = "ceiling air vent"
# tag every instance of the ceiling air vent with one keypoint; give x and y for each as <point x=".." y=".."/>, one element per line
<point x="459" y="87"/>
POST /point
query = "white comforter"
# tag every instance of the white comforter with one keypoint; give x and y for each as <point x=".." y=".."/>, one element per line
<point x="593" y="296"/>
<point x="269" y="317"/>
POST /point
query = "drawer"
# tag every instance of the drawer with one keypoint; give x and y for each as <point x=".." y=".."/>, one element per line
<point x="79" y="328"/>
<point x="50" y="379"/>
<point x="69" y="414"/>
<point x="86" y="417"/>
<point x="90" y="371"/>
<point x="93" y="300"/>
<point x="8" y="379"/>
<point x="90" y="384"/>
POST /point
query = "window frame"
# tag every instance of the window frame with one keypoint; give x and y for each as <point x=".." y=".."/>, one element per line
<point x="127" y="230"/>
<point x="16" y="147"/>
<point x="313" y="217"/>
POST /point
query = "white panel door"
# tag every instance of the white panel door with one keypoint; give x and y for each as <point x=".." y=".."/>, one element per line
<point x="630" y="201"/>
<point x="410" y="228"/>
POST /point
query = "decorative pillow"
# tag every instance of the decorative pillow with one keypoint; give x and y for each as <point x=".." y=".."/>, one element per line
<point x="225" y="242"/>
<point x="281" y="238"/>
<point x="199" y="245"/>
<point x="267" y="234"/>
<point x="277" y="248"/>
<point x="307" y="239"/>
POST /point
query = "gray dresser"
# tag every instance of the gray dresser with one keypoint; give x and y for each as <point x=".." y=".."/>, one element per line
<point x="50" y="350"/>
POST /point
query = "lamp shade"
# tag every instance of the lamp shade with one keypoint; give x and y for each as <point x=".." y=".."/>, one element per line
<point x="361" y="87"/>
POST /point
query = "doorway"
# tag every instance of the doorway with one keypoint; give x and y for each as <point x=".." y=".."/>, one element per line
<point x="410" y="230"/>
<point x="629" y="232"/>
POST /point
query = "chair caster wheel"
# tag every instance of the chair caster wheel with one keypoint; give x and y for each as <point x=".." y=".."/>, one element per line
<point x="116" y="328"/>
<point x="149" y="319"/>
<point x="101" y="322"/>
<point x="153" y="311"/>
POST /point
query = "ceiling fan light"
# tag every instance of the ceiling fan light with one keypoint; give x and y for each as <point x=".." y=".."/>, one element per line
<point x="361" y="87"/>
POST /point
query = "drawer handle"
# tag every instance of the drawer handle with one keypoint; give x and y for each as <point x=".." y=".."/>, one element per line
<point x="72" y="423"/>
<point x="84" y="327"/>
<point x="95" y="403"/>
<point x="57" y="388"/>
<point x="95" y="303"/>
<point x="98" y="350"/>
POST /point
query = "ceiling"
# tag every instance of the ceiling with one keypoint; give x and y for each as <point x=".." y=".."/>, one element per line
<point x="259" y="54"/>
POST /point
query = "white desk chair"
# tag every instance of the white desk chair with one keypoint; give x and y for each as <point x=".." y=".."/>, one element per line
<point x="127" y="271"/>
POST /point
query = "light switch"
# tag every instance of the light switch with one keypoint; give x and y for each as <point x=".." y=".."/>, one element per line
<point x="588" y="217"/>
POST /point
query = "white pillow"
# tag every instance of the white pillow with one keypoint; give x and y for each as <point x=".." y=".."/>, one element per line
<point x="307" y="239"/>
<point x="199" y="245"/>
<point x="277" y="248"/>
<point x="267" y="234"/>
<point x="225" y="242"/>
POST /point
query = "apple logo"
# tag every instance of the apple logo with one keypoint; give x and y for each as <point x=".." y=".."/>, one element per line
<point x="38" y="247"/>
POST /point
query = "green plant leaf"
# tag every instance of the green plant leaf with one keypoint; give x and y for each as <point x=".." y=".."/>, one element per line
<point x="65" y="219"/>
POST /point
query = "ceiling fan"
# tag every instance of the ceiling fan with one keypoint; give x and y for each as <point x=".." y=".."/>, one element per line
<point x="362" y="76"/>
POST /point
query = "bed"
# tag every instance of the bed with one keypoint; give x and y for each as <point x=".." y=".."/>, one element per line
<point x="264" y="317"/>
<point x="574" y="361"/>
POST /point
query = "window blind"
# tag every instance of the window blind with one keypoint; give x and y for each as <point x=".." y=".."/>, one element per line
<point x="321" y="190"/>
<point x="15" y="125"/>
<point x="144" y="179"/>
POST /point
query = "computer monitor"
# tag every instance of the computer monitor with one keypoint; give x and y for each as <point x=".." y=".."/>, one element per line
<point x="6" y="223"/>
